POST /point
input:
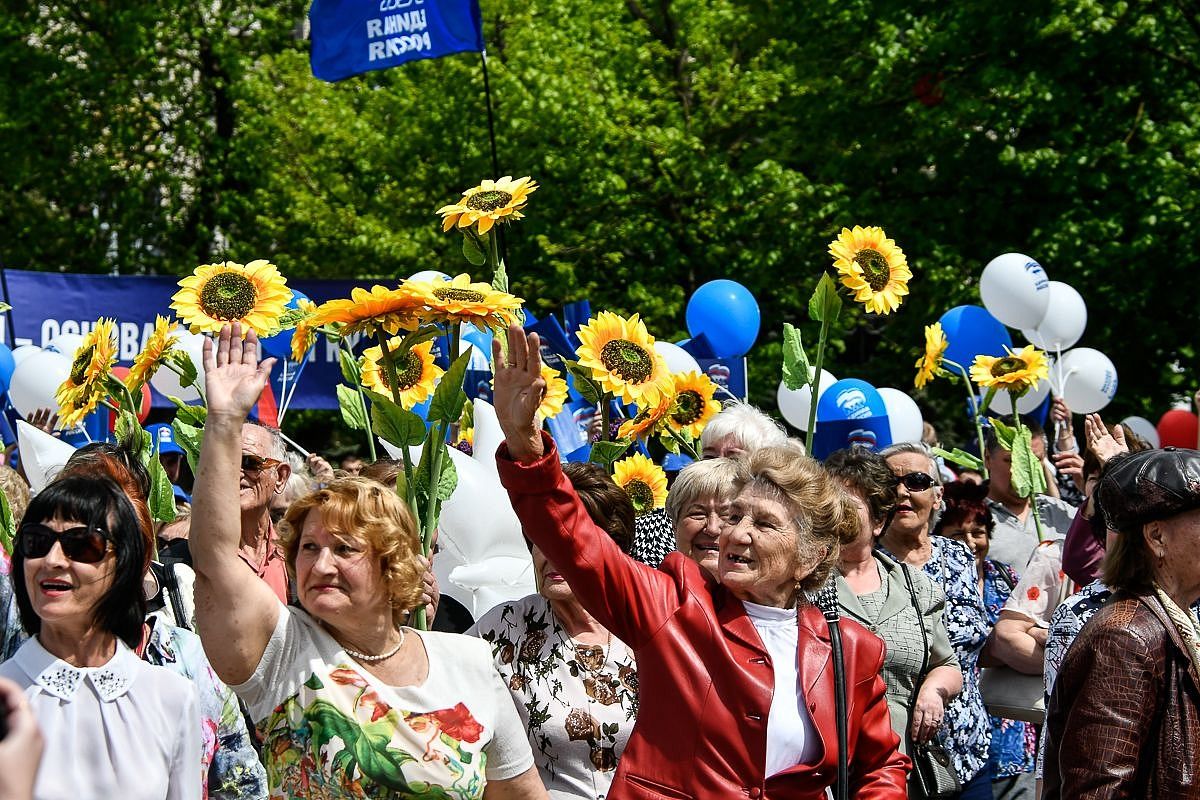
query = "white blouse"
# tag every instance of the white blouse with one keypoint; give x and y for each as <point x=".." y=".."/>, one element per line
<point x="791" y="734"/>
<point x="126" y="729"/>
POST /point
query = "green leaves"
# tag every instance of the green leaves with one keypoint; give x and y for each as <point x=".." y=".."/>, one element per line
<point x="606" y="453"/>
<point x="8" y="528"/>
<point x="1005" y="434"/>
<point x="394" y="424"/>
<point x="825" y="305"/>
<point x="351" y="406"/>
<point x="1028" y="475"/>
<point x="449" y="397"/>
<point x="471" y="250"/>
<point x="797" y="371"/>
<point x="189" y="438"/>
<point x="960" y="457"/>
<point x="584" y="383"/>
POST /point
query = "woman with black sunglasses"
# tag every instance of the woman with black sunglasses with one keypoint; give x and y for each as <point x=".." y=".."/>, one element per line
<point x="966" y="732"/>
<point x="113" y="724"/>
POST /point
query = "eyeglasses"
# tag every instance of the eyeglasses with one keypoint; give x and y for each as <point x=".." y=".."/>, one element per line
<point x="253" y="463"/>
<point x="916" y="481"/>
<point x="82" y="544"/>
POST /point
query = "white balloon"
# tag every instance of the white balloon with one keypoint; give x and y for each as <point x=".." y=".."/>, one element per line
<point x="1026" y="403"/>
<point x="794" y="405"/>
<point x="488" y="435"/>
<point x="1143" y="428"/>
<point x="429" y="276"/>
<point x="35" y="381"/>
<point x="1089" y="380"/>
<point x="65" y="343"/>
<point x="166" y="382"/>
<point x="1064" y="323"/>
<point x="678" y="359"/>
<point x="1015" y="290"/>
<point x="23" y="352"/>
<point x="905" y="417"/>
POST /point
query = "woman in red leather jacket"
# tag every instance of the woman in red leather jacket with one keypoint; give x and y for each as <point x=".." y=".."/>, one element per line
<point x="711" y="655"/>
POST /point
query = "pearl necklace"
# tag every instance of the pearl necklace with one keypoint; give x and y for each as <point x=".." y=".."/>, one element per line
<point x="381" y="657"/>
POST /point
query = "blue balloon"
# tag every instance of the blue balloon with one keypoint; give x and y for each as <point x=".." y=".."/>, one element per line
<point x="850" y="398"/>
<point x="280" y="345"/>
<point x="7" y="365"/>
<point x="972" y="331"/>
<point x="851" y="413"/>
<point x="727" y="314"/>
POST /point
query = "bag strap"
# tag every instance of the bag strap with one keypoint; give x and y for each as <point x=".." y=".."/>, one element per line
<point x="828" y="604"/>
<point x="912" y="703"/>
<point x="171" y="584"/>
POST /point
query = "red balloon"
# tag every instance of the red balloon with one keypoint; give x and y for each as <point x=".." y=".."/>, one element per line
<point x="1177" y="428"/>
<point x="143" y="406"/>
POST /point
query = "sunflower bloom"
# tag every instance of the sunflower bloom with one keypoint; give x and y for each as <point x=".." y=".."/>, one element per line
<point x="1014" y="372"/>
<point x="649" y="420"/>
<point x="694" y="405"/>
<point x="871" y="266"/>
<point x="644" y="482"/>
<point x="217" y="294"/>
<point x="305" y="334"/>
<point x="489" y="203"/>
<point x="930" y="364"/>
<point x="416" y="374"/>
<point x="84" y="388"/>
<point x="161" y="344"/>
<point x="380" y="309"/>
<point x="555" y="395"/>
<point x="620" y="354"/>
<point x="460" y="300"/>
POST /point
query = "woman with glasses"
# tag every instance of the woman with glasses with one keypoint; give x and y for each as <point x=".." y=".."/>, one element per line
<point x="966" y="731"/>
<point x="114" y="725"/>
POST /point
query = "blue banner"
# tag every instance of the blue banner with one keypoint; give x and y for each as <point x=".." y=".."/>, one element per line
<point x="354" y="36"/>
<point x="46" y="304"/>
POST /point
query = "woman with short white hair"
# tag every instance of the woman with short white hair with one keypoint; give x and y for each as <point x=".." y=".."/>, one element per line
<point x="739" y="429"/>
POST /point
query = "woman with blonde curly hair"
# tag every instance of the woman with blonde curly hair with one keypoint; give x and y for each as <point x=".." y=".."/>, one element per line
<point x="349" y="703"/>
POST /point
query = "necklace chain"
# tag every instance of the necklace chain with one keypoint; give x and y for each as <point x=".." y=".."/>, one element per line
<point x="381" y="657"/>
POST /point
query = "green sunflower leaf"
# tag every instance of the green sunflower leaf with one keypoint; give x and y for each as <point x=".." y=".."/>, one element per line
<point x="797" y="371"/>
<point x="606" y="453"/>
<point x="351" y="406"/>
<point x="394" y="424"/>
<point x="192" y="415"/>
<point x="184" y="363"/>
<point x="471" y="250"/>
<point x="189" y="438"/>
<point x="584" y="384"/>
<point x="1005" y="434"/>
<point x="449" y="397"/>
<point x="8" y="528"/>
<point x="825" y="304"/>
<point x="959" y="457"/>
<point x="1028" y="475"/>
<point x="350" y="369"/>
<point x="162" y="495"/>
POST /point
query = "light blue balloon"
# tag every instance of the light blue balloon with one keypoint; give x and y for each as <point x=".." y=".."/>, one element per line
<point x="280" y="345"/>
<point x="728" y="316"/>
<point x="7" y="365"/>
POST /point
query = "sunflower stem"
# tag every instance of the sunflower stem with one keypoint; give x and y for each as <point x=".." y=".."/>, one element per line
<point x="815" y="386"/>
<point x="975" y="412"/>
<point x="691" y="451"/>
<point x="362" y="400"/>
<point x="1033" y="509"/>
<point x="410" y="488"/>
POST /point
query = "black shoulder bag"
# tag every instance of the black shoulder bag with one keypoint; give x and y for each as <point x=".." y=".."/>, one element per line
<point x="933" y="774"/>
<point x="828" y="603"/>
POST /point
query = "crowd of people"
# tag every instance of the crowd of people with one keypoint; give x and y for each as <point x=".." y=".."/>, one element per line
<point x="875" y="625"/>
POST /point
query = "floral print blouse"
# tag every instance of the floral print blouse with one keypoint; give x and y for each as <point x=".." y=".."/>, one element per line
<point x="578" y="702"/>
<point x="967" y="730"/>
<point x="1014" y="743"/>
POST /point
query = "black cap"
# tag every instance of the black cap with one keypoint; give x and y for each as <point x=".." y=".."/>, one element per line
<point x="1150" y="485"/>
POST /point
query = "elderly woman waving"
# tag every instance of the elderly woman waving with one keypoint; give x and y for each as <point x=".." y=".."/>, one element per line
<point x="737" y="688"/>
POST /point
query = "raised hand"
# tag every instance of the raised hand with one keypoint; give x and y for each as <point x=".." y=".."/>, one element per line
<point x="234" y="378"/>
<point x="518" y="393"/>
<point x="1104" y="444"/>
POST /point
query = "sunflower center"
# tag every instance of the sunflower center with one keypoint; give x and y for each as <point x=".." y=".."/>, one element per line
<point x="488" y="201"/>
<point x="227" y="295"/>
<point x="875" y="268"/>
<point x="628" y="360"/>
<point x="640" y="494"/>
<point x="459" y="294"/>
<point x="408" y="372"/>
<point x="1006" y="366"/>
<point x="689" y="406"/>
<point x="80" y="364"/>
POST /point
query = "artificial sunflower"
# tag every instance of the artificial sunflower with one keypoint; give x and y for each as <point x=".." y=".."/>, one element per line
<point x="305" y="334"/>
<point x="161" y="344"/>
<point x="644" y="482"/>
<point x="648" y="421"/>
<point x="555" y="394"/>
<point x="466" y="441"/>
<point x="217" y="294"/>
<point x="85" y="386"/>
<point x="380" y="309"/>
<point x="460" y="300"/>
<point x="694" y="405"/>
<point x="416" y="374"/>
<point x="488" y="203"/>
<point x="930" y="364"/>
<point x="621" y="357"/>
<point x="1014" y="372"/>
<point x="871" y="266"/>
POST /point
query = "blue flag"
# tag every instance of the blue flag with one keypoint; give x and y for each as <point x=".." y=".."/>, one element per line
<point x="354" y="36"/>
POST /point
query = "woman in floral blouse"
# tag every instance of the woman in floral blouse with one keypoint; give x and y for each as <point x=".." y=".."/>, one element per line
<point x="573" y="682"/>
<point x="967" y="730"/>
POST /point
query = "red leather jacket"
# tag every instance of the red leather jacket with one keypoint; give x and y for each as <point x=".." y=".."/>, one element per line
<point x="705" y="679"/>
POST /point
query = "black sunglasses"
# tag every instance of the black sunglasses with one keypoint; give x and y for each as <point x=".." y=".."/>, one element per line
<point x="916" y="481"/>
<point x="82" y="544"/>
<point x="253" y="463"/>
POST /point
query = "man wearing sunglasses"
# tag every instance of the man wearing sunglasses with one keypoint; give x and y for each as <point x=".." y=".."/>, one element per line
<point x="265" y="472"/>
<point x="1015" y="536"/>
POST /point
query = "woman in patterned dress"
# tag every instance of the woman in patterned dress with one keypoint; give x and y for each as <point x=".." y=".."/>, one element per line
<point x="349" y="703"/>
<point x="967" y="730"/>
<point x="573" y="682"/>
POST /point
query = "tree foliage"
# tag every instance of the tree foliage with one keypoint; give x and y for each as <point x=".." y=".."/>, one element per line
<point x="676" y="142"/>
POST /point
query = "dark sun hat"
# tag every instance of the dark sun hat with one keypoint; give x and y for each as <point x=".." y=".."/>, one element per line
<point x="1151" y="485"/>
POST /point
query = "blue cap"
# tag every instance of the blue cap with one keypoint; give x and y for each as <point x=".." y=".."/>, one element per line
<point x="164" y="438"/>
<point x="180" y="494"/>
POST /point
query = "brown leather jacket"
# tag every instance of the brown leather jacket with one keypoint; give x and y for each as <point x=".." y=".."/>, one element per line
<point x="1124" y="718"/>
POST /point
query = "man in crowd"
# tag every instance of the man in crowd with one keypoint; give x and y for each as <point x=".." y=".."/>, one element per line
<point x="265" y="472"/>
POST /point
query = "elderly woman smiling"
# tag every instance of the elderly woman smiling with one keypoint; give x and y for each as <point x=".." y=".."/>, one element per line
<point x="736" y="685"/>
<point x="696" y="506"/>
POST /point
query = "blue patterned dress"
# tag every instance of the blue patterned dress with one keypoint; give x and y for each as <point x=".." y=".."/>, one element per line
<point x="966" y="730"/>
<point x="1014" y="744"/>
